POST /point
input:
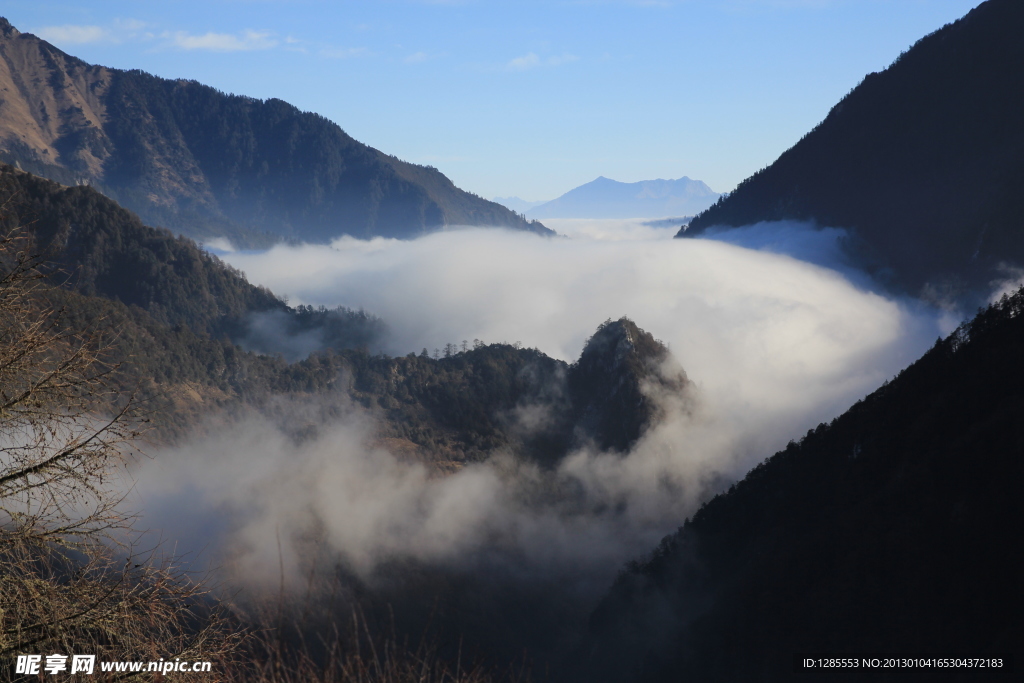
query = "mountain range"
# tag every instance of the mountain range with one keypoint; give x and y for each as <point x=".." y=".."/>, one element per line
<point x="606" y="198"/>
<point x="922" y="162"/>
<point x="204" y="163"/>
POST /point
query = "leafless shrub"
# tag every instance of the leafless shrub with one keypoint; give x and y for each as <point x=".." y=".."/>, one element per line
<point x="70" y="584"/>
<point x="66" y="585"/>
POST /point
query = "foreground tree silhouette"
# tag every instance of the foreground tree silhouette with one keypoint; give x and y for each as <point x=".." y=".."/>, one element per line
<point x="70" y="582"/>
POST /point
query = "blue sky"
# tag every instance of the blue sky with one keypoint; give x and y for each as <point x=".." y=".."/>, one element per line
<point x="521" y="98"/>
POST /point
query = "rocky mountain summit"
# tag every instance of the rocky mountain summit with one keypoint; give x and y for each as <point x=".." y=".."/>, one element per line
<point x="616" y="382"/>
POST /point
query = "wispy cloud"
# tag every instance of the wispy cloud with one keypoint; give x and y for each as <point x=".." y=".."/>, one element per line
<point x="532" y="60"/>
<point x="759" y="5"/>
<point x="558" y="60"/>
<point x="634" y="3"/>
<point x="121" y="30"/>
<point x="71" y="34"/>
<point x="417" y="57"/>
<point x="343" y="52"/>
<point x="527" y="61"/>
<point x="223" y="42"/>
<point x="293" y="44"/>
<point x="117" y="31"/>
<point x="131" y="26"/>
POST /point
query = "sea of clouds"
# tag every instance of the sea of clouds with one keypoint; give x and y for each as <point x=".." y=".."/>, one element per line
<point x="775" y="328"/>
<point x="773" y="318"/>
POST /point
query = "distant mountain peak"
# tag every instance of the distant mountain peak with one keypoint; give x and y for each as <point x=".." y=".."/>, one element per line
<point x="607" y="198"/>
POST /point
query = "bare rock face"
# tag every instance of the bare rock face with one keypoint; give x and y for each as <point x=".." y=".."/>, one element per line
<point x="51" y="108"/>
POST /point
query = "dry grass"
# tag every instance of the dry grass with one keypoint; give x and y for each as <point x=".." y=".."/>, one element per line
<point x="359" y="655"/>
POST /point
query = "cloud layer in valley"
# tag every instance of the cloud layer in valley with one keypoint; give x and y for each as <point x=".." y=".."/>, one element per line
<point x="757" y="328"/>
<point x="774" y="345"/>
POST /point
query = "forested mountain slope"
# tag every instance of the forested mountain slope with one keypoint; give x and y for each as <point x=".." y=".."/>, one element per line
<point x="185" y="324"/>
<point x="923" y="161"/>
<point x="894" y="529"/>
<point x="103" y="249"/>
<point x="196" y="160"/>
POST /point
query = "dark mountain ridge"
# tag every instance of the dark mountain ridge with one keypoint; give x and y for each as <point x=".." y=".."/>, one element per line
<point x="923" y="161"/>
<point x="204" y="163"/>
<point x="890" y="530"/>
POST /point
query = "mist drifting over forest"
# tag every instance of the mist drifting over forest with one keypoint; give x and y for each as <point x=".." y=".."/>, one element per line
<point x="776" y="333"/>
<point x="785" y="325"/>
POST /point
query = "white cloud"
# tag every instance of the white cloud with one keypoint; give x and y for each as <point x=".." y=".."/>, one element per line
<point x="531" y="60"/>
<point x="527" y="61"/>
<point x="343" y="52"/>
<point x="222" y="42"/>
<point x="416" y="58"/>
<point x="562" y="59"/>
<point x="130" y="25"/>
<point x="770" y="5"/>
<point x="775" y="346"/>
<point x="762" y="330"/>
<point x="633" y="3"/>
<point x="70" y="34"/>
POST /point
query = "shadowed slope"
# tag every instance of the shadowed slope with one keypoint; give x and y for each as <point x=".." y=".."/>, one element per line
<point x="924" y="161"/>
<point x="892" y="529"/>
